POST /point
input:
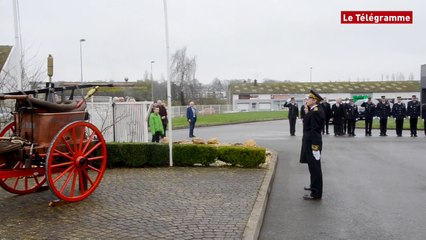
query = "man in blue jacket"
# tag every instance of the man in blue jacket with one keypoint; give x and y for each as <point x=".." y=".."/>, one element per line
<point x="191" y="116"/>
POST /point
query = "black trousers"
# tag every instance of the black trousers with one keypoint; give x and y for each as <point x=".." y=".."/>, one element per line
<point x="383" y="125"/>
<point x="165" y="128"/>
<point x="398" y="126"/>
<point x="351" y="126"/>
<point x="316" y="177"/>
<point x="325" y="126"/>
<point x="292" y="125"/>
<point x="345" y="125"/>
<point x="368" y="125"/>
<point x="156" y="137"/>
<point x="413" y="125"/>
<point x="338" y="128"/>
<point x="424" y="125"/>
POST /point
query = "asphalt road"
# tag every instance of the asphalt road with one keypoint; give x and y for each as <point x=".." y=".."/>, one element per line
<point x="374" y="187"/>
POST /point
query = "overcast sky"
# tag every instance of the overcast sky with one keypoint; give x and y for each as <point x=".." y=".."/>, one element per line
<point x="231" y="39"/>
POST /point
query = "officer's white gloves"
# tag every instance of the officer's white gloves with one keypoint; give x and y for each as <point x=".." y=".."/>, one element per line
<point x="317" y="155"/>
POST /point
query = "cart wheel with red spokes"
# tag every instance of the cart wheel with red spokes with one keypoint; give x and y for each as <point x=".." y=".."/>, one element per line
<point x="76" y="161"/>
<point x="9" y="130"/>
<point x="22" y="184"/>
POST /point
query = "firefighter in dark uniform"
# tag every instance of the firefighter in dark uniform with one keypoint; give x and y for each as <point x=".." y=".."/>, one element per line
<point x="424" y="117"/>
<point x="293" y="113"/>
<point x="345" y="115"/>
<point x="312" y="145"/>
<point x="413" y="111"/>
<point x="338" y="117"/>
<point x="369" y="113"/>
<point x="327" y="112"/>
<point x="383" y="112"/>
<point x="398" y="112"/>
<point x="352" y="115"/>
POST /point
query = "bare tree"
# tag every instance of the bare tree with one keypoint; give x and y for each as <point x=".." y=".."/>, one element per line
<point x="32" y="74"/>
<point x="183" y="73"/>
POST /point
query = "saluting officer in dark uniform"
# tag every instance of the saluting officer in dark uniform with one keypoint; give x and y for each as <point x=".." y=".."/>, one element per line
<point x="383" y="112"/>
<point x="369" y="113"/>
<point x="352" y="115"/>
<point x="293" y="113"/>
<point x="312" y="145"/>
<point x="327" y="112"/>
<point x="398" y="112"/>
<point x="424" y="117"/>
<point x="413" y="111"/>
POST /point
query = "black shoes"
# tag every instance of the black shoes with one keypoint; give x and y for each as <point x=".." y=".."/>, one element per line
<point x="309" y="197"/>
<point x="307" y="188"/>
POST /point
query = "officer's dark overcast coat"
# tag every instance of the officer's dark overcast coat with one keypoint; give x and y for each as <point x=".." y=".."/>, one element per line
<point x="312" y="127"/>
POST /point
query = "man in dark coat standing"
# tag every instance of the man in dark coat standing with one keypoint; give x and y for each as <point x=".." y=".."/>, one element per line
<point x="383" y="112"/>
<point x="424" y="117"/>
<point x="338" y="113"/>
<point x="399" y="112"/>
<point x="369" y="113"/>
<point x="326" y="107"/>
<point x="312" y="145"/>
<point x="293" y="113"/>
<point x="413" y="111"/>
<point x="352" y="113"/>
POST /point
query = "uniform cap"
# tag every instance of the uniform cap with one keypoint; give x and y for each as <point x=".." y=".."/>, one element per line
<point x="398" y="97"/>
<point x="413" y="96"/>
<point x="315" y="95"/>
<point x="383" y="97"/>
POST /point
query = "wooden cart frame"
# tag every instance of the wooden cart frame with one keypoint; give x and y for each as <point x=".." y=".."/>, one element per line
<point x="51" y="143"/>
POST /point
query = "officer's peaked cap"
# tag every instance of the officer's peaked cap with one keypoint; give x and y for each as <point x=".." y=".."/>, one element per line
<point x="314" y="94"/>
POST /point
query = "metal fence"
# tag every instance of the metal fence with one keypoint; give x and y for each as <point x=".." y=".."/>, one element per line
<point x="128" y="121"/>
<point x="122" y="121"/>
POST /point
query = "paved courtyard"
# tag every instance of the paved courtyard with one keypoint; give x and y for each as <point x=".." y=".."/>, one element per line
<point x="154" y="203"/>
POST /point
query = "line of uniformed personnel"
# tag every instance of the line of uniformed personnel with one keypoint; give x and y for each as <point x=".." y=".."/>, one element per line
<point x="344" y="115"/>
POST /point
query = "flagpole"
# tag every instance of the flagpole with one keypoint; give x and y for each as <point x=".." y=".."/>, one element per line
<point x="169" y="91"/>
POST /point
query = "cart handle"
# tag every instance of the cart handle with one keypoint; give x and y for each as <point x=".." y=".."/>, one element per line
<point x="21" y="97"/>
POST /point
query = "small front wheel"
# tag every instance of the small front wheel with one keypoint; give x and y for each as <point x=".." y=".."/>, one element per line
<point x="76" y="161"/>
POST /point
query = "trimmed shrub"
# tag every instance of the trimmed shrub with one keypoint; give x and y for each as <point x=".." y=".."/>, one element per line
<point x="159" y="155"/>
<point x="128" y="154"/>
<point x="190" y="154"/>
<point x="135" y="155"/>
<point x="242" y="156"/>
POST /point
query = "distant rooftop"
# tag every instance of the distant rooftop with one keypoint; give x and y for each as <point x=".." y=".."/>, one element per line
<point x="4" y="54"/>
<point x="325" y="87"/>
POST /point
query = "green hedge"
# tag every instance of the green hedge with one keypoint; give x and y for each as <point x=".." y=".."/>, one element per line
<point x="241" y="156"/>
<point x="135" y="155"/>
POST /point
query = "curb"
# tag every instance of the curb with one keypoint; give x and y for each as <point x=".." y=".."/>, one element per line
<point x="255" y="221"/>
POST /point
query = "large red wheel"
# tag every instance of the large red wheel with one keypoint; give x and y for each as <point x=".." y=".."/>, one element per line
<point x="76" y="161"/>
<point x="23" y="184"/>
<point x="9" y="130"/>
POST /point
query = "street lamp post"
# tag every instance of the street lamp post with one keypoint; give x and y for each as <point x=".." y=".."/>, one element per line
<point x="310" y="75"/>
<point x="152" y="83"/>
<point x="81" y="59"/>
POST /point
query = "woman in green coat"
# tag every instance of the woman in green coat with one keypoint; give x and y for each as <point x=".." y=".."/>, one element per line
<point x="156" y="125"/>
